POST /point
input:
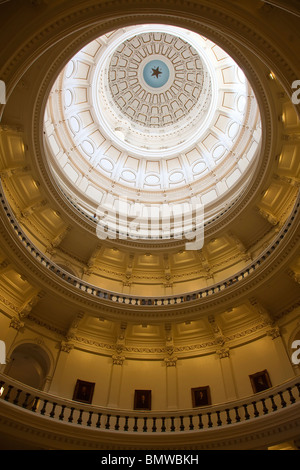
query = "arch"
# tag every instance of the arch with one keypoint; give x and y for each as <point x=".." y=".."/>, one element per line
<point x="30" y="364"/>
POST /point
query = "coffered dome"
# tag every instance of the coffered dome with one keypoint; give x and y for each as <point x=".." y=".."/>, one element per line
<point x="155" y="114"/>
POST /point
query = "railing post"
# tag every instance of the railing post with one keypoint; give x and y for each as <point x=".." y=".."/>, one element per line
<point x="237" y="416"/>
<point x="283" y="402"/>
<point x="265" y="409"/>
<point x="7" y="396"/>
<point x="154" y="428"/>
<point x="256" y="413"/>
<point x="229" y="421"/>
<point x="292" y="398"/>
<point x="126" y="424"/>
<point x="34" y="406"/>
<point x="107" y="424"/>
<point x="25" y="404"/>
<point x="247" y="416"/>
<point x="43" y="410"/>
<point x="61" y="416"/>
<point x="145" y="424"/>
<point x="200" y="425"/>
<point x="79" y="420"/>
<point x="16" y="400"/>
<point x="210" y="424"/>
<point x="98" y="424"/>
<point x="181" y="424"/>
<point x="172" y="424"/>
<point x="71" y="415"/>
<point x="89" y="421"/>
<point x="117" y="426"/>
<point x="53" y="410"/>
<point x="274" y="406"/>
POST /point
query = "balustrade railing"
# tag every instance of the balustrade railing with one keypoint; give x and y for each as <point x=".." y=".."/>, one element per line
<point x="140" y="300"/>
<point x="202" y="418"/>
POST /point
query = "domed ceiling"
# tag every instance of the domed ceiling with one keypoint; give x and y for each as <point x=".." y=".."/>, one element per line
<point x="154" y="115"/>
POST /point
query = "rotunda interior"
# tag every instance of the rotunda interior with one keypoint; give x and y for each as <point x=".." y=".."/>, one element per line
<point x="150" y="263"/>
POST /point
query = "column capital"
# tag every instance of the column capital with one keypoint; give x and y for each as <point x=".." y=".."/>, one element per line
<point x="170" y="361"/>
<point x="16" y="324"/>
<point x="223" y="352"/>
<point x="66" y="346"/>
<point x="118" y="360"/>
<point x="274" y="332"/>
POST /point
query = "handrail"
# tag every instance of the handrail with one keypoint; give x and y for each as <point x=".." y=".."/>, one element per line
<point x="135" y="300"/>
<point x="270" y="401"/>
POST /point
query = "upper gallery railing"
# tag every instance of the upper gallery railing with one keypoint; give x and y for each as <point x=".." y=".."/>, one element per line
<point x="140" y="300"/>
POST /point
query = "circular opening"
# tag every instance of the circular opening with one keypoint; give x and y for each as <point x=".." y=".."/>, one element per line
<point x="155" y="115"/>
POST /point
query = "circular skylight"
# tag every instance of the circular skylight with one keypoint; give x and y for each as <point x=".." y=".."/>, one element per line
<point x="156" y="73"/>
<point x="155" y="114"/>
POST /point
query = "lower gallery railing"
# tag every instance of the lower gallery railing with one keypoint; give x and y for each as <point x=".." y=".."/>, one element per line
<point x="126" y="421"/>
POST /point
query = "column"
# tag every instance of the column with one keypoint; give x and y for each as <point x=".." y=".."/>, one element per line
<point x="115" y="381"/>
<point x="284" y="362"/>
<point x="61" y="364"/>
<point x="227" y="373"/>
<point x="172" y="393"/>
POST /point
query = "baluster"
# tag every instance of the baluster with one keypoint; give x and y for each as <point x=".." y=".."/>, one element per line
<point x="61" y="416"/>
<point x="79" y="420"/>
<point x="163" y="427"/>
<point x="145" y="424"/>
<point x="256" y="413"/>
<point x="210" y="424"/>
<point x="34" y="406"/>
<point x="98" y="424"/>
<point x="181" y="424"/>
<point x="154" y="428"/>
<point x="7" y="396"/>
<point x="219" y="421"/>
<point x="191" y="426"/>
<point x="298" y="387"/>
<point x="283" y="402"/>
<point x="292" y="398"/>
<point x="135" y="427"/>
<point x="229" y="421"/>
<point x="43" y="410"/>
<point x="172" y="424"/>
<point x="274" y="406"/>
<point x="247" y="416"/>
<point x="237" y="416"/>
<point x="53" y="410"/>
<point x="71" y="415"/>
<point x="89" y="421"/>
<point x="25" y="404"/>
<point x="200" y="424"/>
<point x="16" y="400"/>
<point x="117" y="426"/>
<point x="265" y="409"/>
<point x="107" y="424"/>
